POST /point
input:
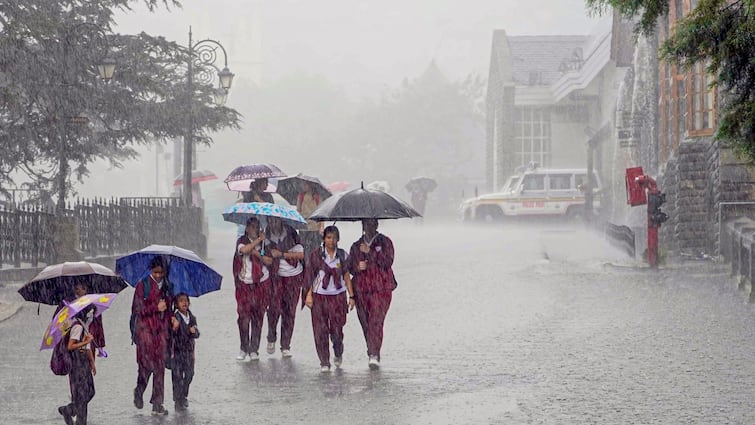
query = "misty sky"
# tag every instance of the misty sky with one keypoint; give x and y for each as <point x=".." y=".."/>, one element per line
<point x="364" y="47"/>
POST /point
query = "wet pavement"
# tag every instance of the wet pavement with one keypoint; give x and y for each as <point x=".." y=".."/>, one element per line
<point x="537" y="325"/>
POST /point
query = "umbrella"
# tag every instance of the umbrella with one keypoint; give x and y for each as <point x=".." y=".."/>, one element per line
<point x="241" y="176"/>
<point x="62" y="321"/>
<point x="421" y="184"/>
<point x="187" y="272"/>
<point x="290" y="187"/>
<point x="197" y="176"/>
<point x="55" y="283"/>
<point x="239" y="213"/>
<point x="338" y="186"/>
<point x="362" y="203"/>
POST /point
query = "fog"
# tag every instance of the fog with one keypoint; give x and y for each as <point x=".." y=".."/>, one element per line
<point x="317" y="83"/>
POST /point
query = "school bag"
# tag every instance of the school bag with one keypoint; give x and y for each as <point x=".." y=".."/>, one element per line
<point x="60" y="361"/>
<point x="132" y="319"/>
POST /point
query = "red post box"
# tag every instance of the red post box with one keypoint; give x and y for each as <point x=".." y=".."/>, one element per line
<point x="635" y="191"/>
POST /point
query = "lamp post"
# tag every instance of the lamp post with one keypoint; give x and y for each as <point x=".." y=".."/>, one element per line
<point x="94" y="38"/>
<point x="202" y="53"/>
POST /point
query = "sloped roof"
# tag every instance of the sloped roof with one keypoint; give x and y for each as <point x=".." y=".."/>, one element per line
<point x="542" y="55"/>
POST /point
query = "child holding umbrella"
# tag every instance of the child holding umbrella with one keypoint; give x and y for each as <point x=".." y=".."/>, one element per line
<point x="329" y="283"/>
<point x="81" y="377"/>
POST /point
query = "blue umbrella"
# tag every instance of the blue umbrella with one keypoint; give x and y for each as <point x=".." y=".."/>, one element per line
<point x="239" y="213"/>
<point x="186" y="271"/>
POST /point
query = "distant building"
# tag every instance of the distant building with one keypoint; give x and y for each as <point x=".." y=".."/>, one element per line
<point x="547" y="96"/>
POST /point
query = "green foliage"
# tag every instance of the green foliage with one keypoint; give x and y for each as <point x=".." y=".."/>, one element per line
<point x="720" y="33"/>
<point x="57" y="116"/>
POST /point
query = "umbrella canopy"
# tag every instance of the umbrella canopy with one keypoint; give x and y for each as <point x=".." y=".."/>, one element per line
<point x="186" y="272"/>
<point x="290" y="187"/>
<point x="55" y="283"/>
<point x="421" y="184"/>
<point x="197" y="176"/>
<point x="62" y="320"/>
<point x="240" y="213"/>
<point x="362" y="203"/>
<point x="241" y="176"/>
<point x="336" y="187"/>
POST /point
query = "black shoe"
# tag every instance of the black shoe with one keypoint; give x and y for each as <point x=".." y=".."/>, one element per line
<point x="63" y="410"/>
<point x="138" y="402"/>
<point x="158" y="410"/>
<point x="178" y="406"/>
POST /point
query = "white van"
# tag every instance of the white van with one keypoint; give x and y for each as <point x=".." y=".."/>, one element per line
<point x="535" y="192"/>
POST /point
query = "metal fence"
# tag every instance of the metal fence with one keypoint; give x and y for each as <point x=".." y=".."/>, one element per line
<point x="104" y="227"/>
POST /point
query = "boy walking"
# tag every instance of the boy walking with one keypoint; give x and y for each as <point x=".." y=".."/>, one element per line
<point x="183" y="332"/>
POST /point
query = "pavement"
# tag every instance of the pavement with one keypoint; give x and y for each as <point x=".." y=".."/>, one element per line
<point x="10" y="301"/>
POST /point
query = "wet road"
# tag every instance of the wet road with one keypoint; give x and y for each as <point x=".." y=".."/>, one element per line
<point x="488" y="325"/>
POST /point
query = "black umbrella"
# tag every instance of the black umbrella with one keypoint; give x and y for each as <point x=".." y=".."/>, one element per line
<point x="55" y="283"/>
<point x="241" y="176"/>
<point x="290" y="187"/>
<point x="421" y="184"/>
<point x="362" y="203"/>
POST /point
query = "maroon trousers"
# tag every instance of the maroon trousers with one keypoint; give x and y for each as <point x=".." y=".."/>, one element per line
<point x="151" y="350"/>
<point x="371" y="310"/>
<point x="284" y="297"/>
<point x="251" y="302"/>
<point x="328" y="319"/>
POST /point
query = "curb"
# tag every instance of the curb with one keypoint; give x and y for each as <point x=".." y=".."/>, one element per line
<point x="8" y="310"/>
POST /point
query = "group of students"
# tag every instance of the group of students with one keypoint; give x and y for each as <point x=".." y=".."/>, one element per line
<point x="271" y="273"/>
<point x="272" y="268"/>
<point x="164" y="333"/>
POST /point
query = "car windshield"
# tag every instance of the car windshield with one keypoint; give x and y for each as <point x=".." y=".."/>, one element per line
<point x="510" y="184"/>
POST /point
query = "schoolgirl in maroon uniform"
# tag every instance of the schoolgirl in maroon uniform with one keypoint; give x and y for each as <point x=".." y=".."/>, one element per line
<point x="252" y="278"/>
<point x="371" y="262"/>
<point x="287" y="272"/>
<point x="152" y="323"/>
<point x="330" y="283"/>
<point x="81" y="377"/>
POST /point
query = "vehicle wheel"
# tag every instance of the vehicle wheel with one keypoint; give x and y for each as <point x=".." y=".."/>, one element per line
<point x="489" y="214"/>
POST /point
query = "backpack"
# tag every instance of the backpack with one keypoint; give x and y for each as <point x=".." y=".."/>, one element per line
<point x="132" y="319"/>
<point x="60" y="361"/>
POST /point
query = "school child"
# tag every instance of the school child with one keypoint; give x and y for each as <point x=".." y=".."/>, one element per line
<point x="330" y="283"/>
<point x="152" y="297"/>
<point x="81" y="377"/>
<point x="183" y="332"/>
<point x="252" y="280"/>
<point x="286" y="277"/>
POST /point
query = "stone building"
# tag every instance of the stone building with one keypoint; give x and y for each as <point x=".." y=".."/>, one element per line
<point x="668" y="115"/>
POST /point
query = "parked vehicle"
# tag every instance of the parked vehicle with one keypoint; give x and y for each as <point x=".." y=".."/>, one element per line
<point x="535" y="192"/>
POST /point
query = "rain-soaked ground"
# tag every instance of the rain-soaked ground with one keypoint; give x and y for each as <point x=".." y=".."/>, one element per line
<point x="488" y="325"/>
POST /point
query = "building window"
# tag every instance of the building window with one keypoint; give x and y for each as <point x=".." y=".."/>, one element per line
<point x="532" y="136"/>
<point x="703" y="114"/>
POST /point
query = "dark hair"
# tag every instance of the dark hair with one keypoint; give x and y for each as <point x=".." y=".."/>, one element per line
<point x="158" y="261"/>
<point x="181" y="294"/>
<point x="251" y="220"/>
<point x="331" y="229"/>
<point x="84" y="312"/>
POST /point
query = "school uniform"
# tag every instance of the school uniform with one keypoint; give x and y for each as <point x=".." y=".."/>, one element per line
<point x="252" y="280"/>
<point x="151" y="337"/>
<point x="80" y="378"/>
<point x="286" y="282"/>
<point x="329" y="301"/>
<point x="372" y="288"/>
<point x="182" y="355"/>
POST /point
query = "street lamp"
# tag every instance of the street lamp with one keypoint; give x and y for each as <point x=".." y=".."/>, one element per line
<point x="94" y="38"/>
<point x="202" y="53"/>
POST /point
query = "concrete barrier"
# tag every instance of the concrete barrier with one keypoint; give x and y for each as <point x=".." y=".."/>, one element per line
<point x="739" y="243"/>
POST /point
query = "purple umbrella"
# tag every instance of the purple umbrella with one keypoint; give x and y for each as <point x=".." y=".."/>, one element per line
<point x="64" y="318"/>
<point x="241" y="176"/>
